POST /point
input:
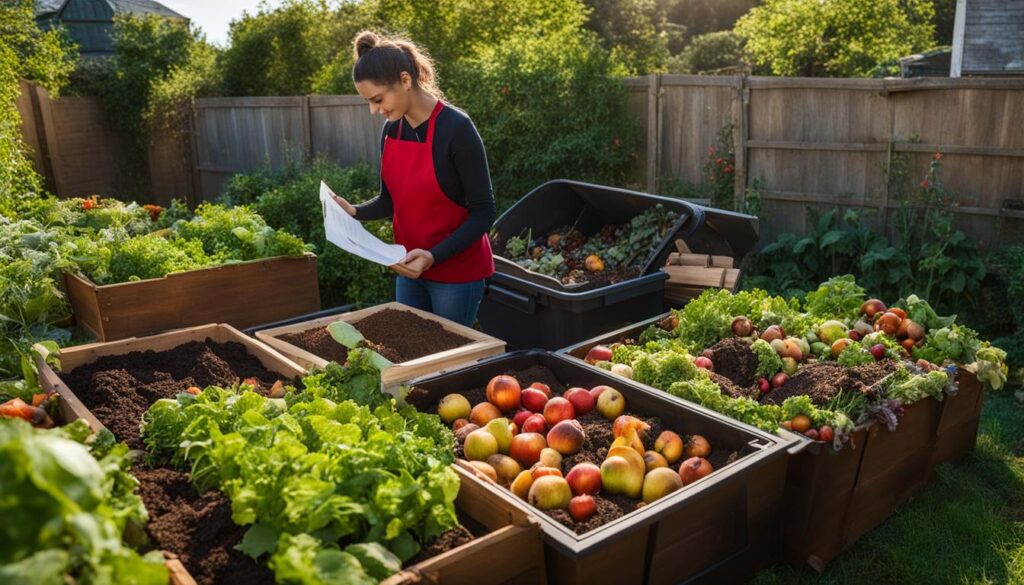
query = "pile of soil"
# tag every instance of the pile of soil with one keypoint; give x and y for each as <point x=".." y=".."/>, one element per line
<point x="823" y="381"/>
<point x="734" y="360"/>
<point x="729" y="388"/>
<point x="467" y="530"/>
<point x="398" y="335"/>
<point x="318" y="342"/>
<point x="118" y="389"/>
<point x="599" y="438"/>
<point x="197" y="528"/>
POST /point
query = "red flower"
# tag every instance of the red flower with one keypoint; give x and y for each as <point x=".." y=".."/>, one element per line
<point x="728" y="169"/>
<point x="718" y="161"/>
<point x="925" y="184"/>
<point x="88" y="204"/>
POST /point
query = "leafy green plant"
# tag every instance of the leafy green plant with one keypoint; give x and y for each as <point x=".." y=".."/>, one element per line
<point x="335" y="465"/>
<point x="287" y="200"/>
<point x="66" y="506"/>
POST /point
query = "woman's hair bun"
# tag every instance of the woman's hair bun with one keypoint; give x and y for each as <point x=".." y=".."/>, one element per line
<point x="365" y="41"/>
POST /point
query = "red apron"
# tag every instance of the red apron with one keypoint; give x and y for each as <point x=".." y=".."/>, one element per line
<point x="423" y="214"/>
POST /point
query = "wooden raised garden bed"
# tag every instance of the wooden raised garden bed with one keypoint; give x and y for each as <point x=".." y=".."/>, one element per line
<point x="722" y="527"/>
<point x="72" y="406"/>
<point x="477" y="346"/>
<point x="834" y="498"/>
<point x="241" y="294"/>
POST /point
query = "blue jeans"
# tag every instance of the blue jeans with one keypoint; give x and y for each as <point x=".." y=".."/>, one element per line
<point x="455" y="302"/>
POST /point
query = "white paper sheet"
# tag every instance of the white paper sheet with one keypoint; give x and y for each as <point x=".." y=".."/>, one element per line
<point x="347" y="233"/>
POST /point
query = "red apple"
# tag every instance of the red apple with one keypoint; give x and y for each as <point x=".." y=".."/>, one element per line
<point x="504" y="392"/>
<point x="520" y="417"/>
<point x="597" y="390"/>
<point x="854" y="335"/>
<point x="484" y="413"/>
<point x="693" y="469"/>
<point x="541" y="471"/>
<point x="779" y="379"/>
<point x="763" y="385"/>
<point x="581" y="508"/>
<point x="872" y="306"/>
<point x="697" y="446"/>
<point x="825" y="433"/>
<point x="535" y="424"/>
<point x="566" y="437"/>
<point x="812" y="434"/>
<point x="584" y="478"/>
<point x="773" y="332"/>
<point x="704" y="363"/>
<point x="878" y="351"/>
<point x="542" y="387"/>
<point x="582" y="401"/>
<point x="525" y="448"/>
<point x="611" y="403"/>
<point x="669" y="445"/>
<point x="598" y="353"/>
<point x="533" y="399"/>
<point x="742" y="327"/>
<point x="558" y="409"/>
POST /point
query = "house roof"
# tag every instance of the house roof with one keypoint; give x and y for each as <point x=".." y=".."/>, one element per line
<point x="989" y="37"/>
<point x="131" y="6"/>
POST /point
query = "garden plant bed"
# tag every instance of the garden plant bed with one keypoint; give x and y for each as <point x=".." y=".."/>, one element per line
<point x="118" y="389"/>
<point x="241" y="294"/>
<point x="197" y="529"/>
<point x="115" y="382"/>
<point x="625" y="541"/>
<point x="398" y="335"/>
<point x="416" y="342"/>
<point x="878" y="382"/>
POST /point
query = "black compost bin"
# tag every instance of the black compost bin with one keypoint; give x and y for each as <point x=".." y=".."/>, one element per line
<point x="530" y="310"/>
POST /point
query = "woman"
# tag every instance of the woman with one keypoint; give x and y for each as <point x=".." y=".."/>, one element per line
<point x="435" y="183"/>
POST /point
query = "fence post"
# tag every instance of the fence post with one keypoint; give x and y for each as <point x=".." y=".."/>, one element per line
<point x="653" y="136"/>
<point x="740" y="100"/>
<point x="307" y="130"/>
<point x="44" y="148"/>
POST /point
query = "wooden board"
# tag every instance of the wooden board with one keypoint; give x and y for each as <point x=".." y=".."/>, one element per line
<point x="71" y="408"/>
<point x="242" y="294"/>
<point x="695" y="276"/>
<point x="482" y="345"/>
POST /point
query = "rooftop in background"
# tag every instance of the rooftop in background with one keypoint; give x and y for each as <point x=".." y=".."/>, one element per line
<point x="90" y="22"/>
<point x="988" y="38"/>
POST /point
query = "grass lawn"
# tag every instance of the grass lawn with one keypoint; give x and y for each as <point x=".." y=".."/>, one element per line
<point x="967" y="526"/>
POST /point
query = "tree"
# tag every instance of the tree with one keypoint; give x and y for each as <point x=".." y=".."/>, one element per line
<point x="709" y="53"/>
<point x="633" y="30"/>
<point x="26" y="52"/>
<point x="704" y="16"/>
<point x="834" y="38"/>
<point x="294" y="48"/>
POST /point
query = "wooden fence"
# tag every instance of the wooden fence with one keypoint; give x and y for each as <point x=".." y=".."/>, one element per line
<point x="811" y="144"/>
<point x="233" y="135"/>
<point x="74" y="148"/>
<point x="820" y="143"/>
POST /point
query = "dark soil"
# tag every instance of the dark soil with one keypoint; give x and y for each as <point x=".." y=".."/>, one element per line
<point x="408" y="334"/>
<point x="400" y="336"/>
<point x="197" y="528"/>
<point x="599" y="438"/>
<point x="119" y="389"/>
<point x="823" y="381"/>
<point x="729" y="388"/>
<point x="608" y="278"/>
<point x="734" y="360"/>
<point x="467" y="530"/>
<point x="318" y="342"/>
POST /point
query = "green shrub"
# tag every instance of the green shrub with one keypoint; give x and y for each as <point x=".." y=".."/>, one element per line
<point x="709" y="53"/>
<point x="288" y="200"/>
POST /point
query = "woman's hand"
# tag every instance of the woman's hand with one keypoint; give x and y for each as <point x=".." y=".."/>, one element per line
<point x="414" y="264"/>
<point x="348" y="207"/>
